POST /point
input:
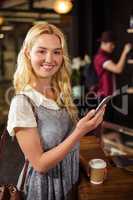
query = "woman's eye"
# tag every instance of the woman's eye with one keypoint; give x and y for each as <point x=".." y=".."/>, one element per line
<point x="41" y="52"/>
<point x="57" y="52"/>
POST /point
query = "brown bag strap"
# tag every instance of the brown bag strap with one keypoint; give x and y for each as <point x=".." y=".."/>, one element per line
<point x="3" y="140"/>
<point x="24" y="175"/>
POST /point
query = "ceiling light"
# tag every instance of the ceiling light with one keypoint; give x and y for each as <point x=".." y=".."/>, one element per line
<point x="7" y="28"/>
<point x="1" y="35"/>
<point x="131" y="21"/>
<point x="1" y="20"/>
<point x="63" y="6"/>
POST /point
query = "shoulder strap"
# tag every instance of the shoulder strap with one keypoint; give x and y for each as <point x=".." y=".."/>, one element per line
<point x="3" y="140"/>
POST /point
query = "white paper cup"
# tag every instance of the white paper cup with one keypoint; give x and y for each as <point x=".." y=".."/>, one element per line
<point x="97" y="171"/>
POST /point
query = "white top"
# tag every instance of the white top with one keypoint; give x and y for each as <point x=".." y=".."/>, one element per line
<point x="106" y="63"/>
<point x="21" y="114"/>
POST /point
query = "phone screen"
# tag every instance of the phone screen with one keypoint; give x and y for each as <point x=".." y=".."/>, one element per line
<point x="103" y="102"/>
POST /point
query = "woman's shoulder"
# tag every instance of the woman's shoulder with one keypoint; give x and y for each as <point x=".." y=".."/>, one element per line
<point x="21" y="103"/>
<point x="21" y="114"/>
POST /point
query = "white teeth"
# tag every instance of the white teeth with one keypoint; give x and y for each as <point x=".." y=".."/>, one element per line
<point x="47" y="66"/>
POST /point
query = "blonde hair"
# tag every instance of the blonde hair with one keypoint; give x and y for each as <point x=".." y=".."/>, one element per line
<point x="60" y="81"/>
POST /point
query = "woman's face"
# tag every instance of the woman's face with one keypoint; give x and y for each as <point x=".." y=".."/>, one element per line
<point x="110" y="47"/>
<point x="46" y="55"/>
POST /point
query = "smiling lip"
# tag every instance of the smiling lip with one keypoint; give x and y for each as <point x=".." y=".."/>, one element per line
<point x="47" y="67"/>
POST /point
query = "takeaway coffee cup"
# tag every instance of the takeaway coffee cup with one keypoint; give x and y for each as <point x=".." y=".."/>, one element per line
<point x="98" y="170"/>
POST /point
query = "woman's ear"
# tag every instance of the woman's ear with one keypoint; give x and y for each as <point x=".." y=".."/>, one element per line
<point x="27" y="53"/>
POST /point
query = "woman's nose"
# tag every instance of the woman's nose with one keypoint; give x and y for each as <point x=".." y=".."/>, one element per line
<point x="48" y="57"/>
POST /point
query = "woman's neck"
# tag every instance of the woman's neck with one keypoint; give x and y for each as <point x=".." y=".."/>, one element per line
<point x="44" y="87"/>
<point x="41" y="84"/>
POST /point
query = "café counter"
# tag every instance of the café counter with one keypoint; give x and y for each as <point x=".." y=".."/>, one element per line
<point x="118" y="184"/>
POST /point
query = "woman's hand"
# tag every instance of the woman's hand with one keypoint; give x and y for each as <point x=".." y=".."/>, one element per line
<point x="90" y="121"/>
<point x="127" y="48"/>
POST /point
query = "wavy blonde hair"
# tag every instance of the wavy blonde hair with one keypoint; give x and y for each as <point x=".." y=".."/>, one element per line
<point x="60" y="81"/>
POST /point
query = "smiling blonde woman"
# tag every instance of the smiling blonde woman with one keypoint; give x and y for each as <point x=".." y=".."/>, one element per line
<point x="50" y="141"/>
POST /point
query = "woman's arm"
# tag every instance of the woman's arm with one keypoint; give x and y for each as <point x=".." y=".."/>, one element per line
<point x="117" y="68"/>
<point x="29" y="141"/>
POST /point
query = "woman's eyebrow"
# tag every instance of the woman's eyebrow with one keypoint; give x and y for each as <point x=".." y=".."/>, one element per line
<point x="58" y="48"/>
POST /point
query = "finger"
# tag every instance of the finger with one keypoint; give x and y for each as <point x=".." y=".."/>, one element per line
<point x="90" y="114"/>
<point x="100" y="112"/>
<point x="98" y="116"/>
<point x="98" y="121"/>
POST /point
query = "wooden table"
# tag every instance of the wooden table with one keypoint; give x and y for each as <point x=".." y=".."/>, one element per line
<point x="117" y="186"/>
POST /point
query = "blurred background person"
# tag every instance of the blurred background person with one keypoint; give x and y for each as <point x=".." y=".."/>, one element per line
<point x="105" y="66"/>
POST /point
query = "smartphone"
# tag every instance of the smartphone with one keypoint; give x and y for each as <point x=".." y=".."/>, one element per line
<point x="103" y="102"/>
